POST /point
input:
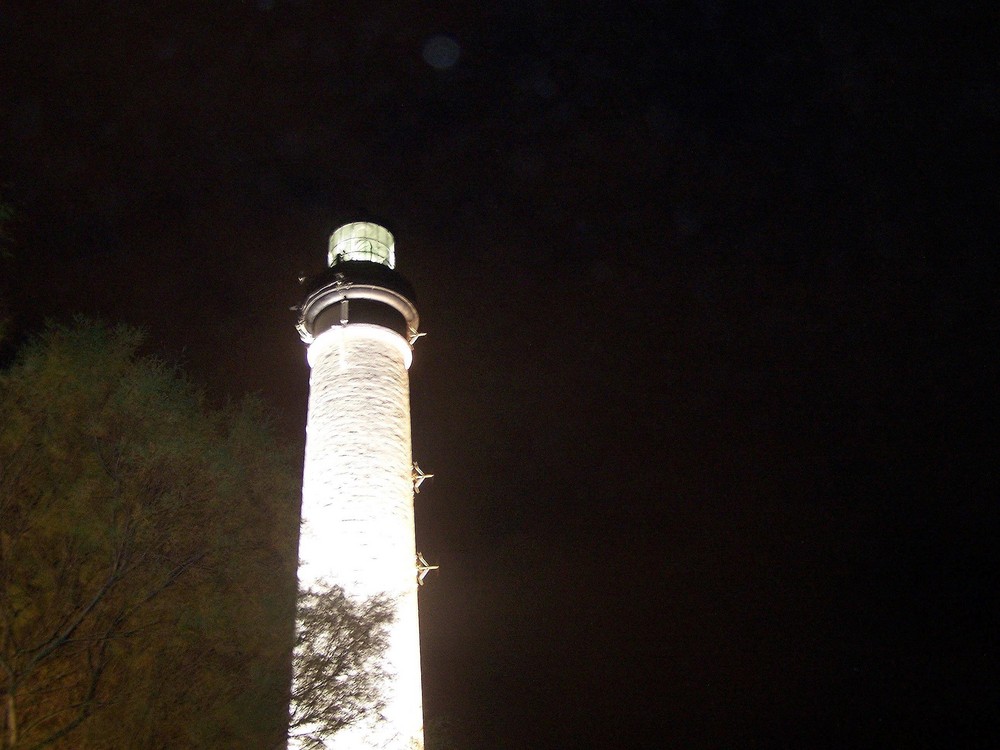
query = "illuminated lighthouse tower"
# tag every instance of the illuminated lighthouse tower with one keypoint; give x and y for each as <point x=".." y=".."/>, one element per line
<point x="359" y="320"/>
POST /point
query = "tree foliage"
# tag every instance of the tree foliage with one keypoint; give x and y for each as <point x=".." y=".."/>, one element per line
<point x="147" y="554"/>
<point x="337" y="670"/>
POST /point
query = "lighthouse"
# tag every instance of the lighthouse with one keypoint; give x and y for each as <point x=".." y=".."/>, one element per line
<point x="359" y="320"/>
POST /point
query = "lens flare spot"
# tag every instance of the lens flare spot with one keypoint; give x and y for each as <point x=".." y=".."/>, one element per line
<point x="441" y="51"/>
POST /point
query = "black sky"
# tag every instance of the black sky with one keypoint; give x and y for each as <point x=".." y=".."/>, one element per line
<point x="710" y="357"/>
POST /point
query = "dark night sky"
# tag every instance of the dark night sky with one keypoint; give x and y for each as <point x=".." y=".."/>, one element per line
<point x="710" y="343"/>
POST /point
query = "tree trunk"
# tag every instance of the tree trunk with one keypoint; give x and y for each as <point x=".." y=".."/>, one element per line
<point x="11" y="738"/>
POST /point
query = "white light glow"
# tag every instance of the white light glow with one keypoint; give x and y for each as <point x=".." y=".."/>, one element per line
<point x="357" y="505"/>
<point x="362" y="240"/>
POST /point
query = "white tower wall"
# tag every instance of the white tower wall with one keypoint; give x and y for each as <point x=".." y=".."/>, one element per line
<point x="357" y="505"/>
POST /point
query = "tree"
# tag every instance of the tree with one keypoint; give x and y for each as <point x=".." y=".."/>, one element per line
<point x="337" y="671"/>
<point x="147" y="554"/>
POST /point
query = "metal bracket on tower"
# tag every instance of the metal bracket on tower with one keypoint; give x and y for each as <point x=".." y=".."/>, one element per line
<point x="418" y="477"/>
<point x="423" y="568"/>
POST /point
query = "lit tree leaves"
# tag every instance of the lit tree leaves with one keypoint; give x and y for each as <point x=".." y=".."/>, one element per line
<point x="147" y="565"/>
<point x="147" y="558"/>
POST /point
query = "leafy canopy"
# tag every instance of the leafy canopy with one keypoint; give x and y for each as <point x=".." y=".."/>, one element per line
<point x="147" y="554"/>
